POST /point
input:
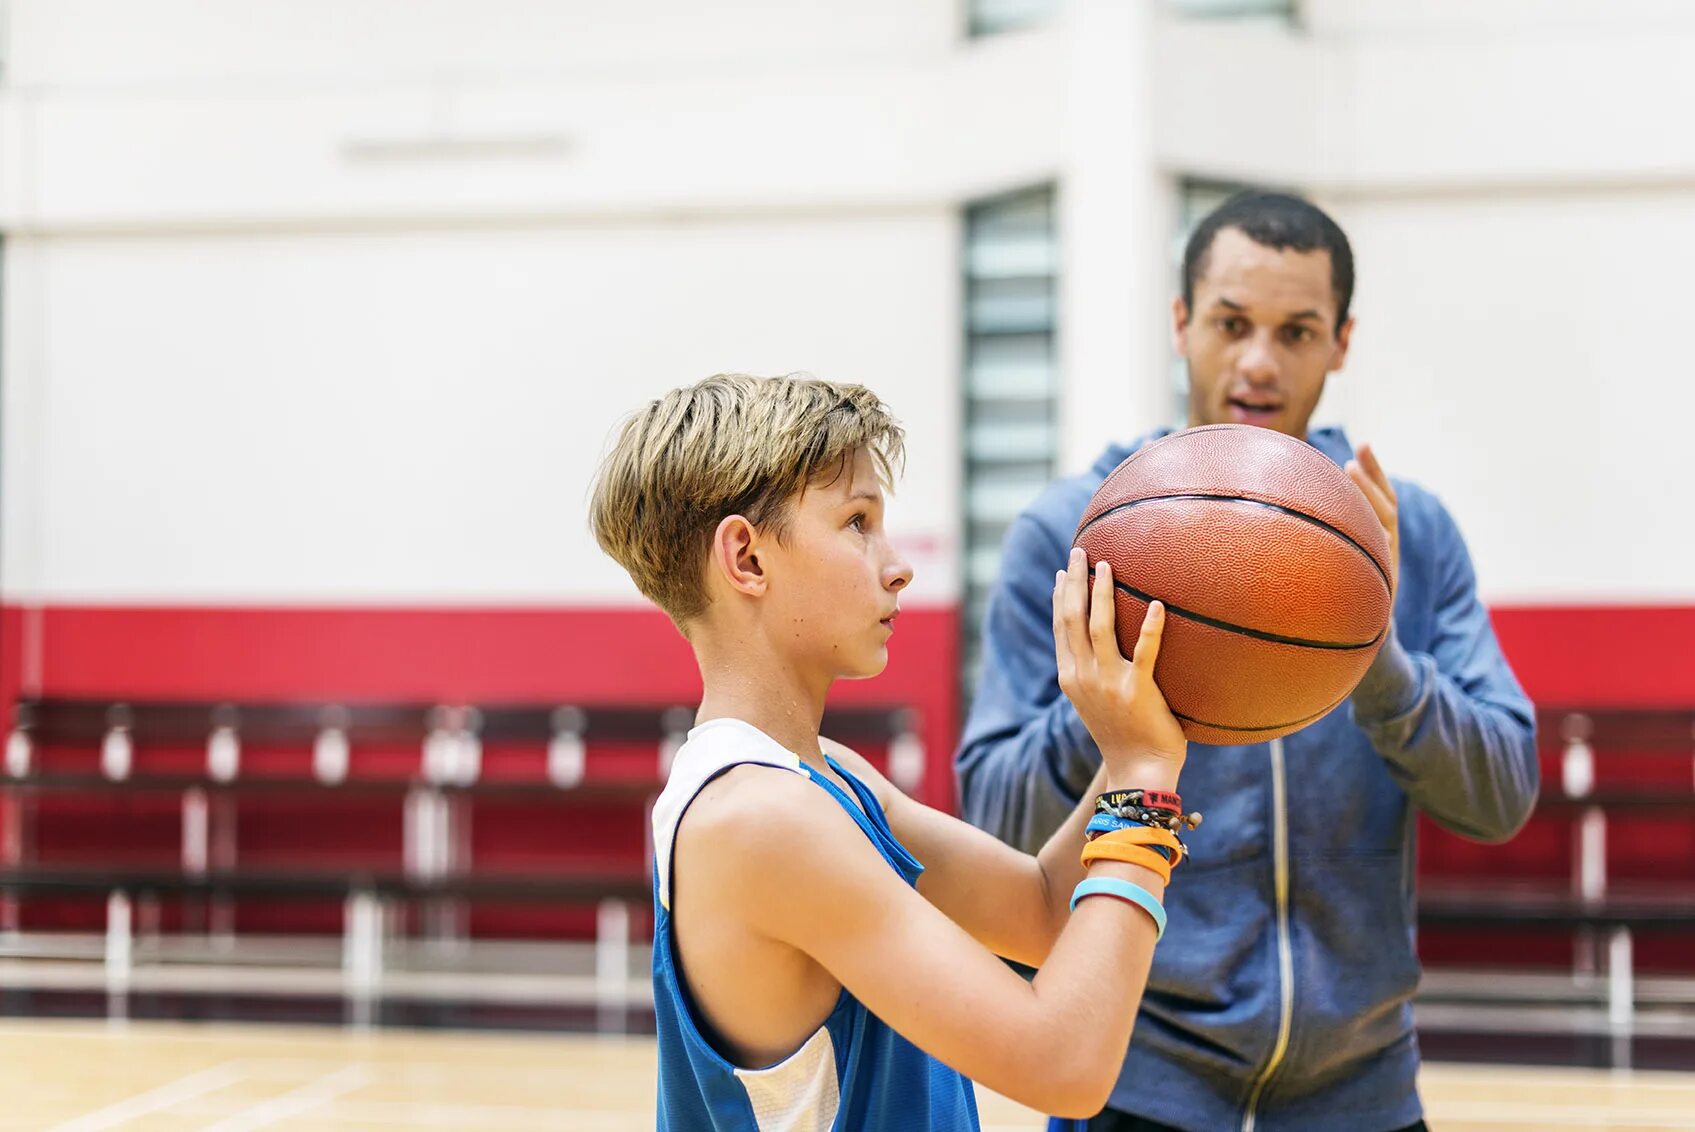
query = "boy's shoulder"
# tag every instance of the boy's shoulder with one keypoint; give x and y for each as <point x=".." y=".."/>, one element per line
<point x="751" y="829"/>
<point x="752" y="795"/>
<point x="717" y="755"/>
<point x="860" y="767"/>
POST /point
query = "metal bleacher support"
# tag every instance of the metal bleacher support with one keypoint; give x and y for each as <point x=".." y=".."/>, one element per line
<point x="1603" y="915"/>
<point x="438" y="876"/>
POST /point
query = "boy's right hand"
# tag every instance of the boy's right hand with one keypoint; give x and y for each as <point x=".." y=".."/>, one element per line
<point x="1141" y="742"/>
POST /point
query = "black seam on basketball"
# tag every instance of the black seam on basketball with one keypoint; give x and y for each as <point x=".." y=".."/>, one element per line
<point x="1267" y="726"/>
<point x="1257" y="634"/>
<point x="1302" y="515"/>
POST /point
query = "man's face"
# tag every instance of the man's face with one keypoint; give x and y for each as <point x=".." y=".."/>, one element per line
<point x="1262" y="337"/>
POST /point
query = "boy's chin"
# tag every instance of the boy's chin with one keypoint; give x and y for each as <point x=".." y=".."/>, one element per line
<point x="869" y="666"/>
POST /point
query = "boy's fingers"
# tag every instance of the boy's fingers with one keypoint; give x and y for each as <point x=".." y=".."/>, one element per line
<point x="1147" y="641"/>
<point x="1102" y="627"/>
<point x="1076" y="603"/>
<point x="1062" y="643"/>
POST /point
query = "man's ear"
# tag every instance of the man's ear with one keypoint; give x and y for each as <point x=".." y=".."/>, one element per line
<point x="1180" y="326"/>
<point x="1344" y="334"/>
<point x="735" y="555"/>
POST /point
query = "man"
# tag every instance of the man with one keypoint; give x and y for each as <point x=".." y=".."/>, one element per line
<point x="1280" y="998"/>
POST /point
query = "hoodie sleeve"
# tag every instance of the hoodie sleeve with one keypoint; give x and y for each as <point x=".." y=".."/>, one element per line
<point x="1452" y="723"/>
<point x="1026" y="756"/>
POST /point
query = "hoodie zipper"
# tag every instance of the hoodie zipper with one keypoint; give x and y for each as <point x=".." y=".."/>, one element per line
<point x="1285" y="952"/>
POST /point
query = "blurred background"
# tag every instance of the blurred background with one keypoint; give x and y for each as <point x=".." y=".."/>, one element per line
<point x="315" y="318"/>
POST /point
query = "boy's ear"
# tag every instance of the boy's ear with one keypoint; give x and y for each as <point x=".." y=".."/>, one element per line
<point x="735" y="555"/>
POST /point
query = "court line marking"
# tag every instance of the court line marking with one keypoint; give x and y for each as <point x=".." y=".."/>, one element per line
<point x="158" y="1099"/>
<point x="407" y="1069"/>
<point x="313" y="1094"/>
<point x="422" y="1114"/>
<point x="1513" y="1114"/>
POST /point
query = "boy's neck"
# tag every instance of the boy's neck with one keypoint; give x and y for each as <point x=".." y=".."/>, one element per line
<point x="777" y="702"/>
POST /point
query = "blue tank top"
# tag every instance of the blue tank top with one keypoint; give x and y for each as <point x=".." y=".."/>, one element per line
<point x="854" y="1073"/>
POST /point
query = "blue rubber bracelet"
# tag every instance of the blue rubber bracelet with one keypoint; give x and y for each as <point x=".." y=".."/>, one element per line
<point x="1106" y="823"/>
<point x="1124" y="890"/>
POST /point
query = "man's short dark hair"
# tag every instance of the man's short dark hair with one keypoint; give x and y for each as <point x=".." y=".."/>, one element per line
<point x="1279" y="221"/>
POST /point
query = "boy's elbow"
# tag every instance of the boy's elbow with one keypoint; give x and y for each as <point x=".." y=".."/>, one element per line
<point x="1077" y="1081"/>
<point x="1083" y="1095"/>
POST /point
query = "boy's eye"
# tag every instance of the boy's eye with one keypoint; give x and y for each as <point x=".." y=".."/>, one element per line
<point x="857" y="522"/>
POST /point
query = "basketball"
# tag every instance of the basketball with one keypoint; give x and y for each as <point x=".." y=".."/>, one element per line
<point x="1272" y="566"/>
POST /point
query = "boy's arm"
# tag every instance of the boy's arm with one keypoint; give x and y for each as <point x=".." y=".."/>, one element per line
<point x="797" y="870"/>
<point x="801" y="873"/>
<point x="1013" y="903"/>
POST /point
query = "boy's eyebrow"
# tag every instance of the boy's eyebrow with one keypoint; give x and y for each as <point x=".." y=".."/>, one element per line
<point x="868" y="496"/>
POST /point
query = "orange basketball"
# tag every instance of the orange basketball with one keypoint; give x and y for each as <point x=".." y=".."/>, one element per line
<point x="1272" y="566"/>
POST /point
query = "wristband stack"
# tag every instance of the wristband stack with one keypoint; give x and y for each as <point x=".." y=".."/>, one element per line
<point x="1138" y="827"/>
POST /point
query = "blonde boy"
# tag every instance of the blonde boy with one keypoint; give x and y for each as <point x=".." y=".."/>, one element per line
<point x="825" y="947"/>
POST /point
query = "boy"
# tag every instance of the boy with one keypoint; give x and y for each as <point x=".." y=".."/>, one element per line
<point x="824" y="947"/>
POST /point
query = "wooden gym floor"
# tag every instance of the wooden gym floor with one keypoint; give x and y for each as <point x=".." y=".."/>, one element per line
<point x="63" y="1076"/>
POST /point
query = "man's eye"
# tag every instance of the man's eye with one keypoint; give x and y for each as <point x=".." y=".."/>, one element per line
<point x="1297" y="334"/>
<point x="1232" y="325"/>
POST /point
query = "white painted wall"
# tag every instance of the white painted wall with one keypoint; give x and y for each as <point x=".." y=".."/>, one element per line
<point x="314" y="302"/>
<point x="319" y="300"/>
<point x="216" y="44"/>
<point x="1525" y="357"/>
<point x="1516" y="20"/>
<point x="415" y="417"/>
<point x="1520" y="189"/>
<point x="811" y="127"/>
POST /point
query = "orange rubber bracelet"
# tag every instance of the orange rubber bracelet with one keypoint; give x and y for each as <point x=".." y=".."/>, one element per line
<point x="1145" y="835"/>
<point x="1129" y="855"/>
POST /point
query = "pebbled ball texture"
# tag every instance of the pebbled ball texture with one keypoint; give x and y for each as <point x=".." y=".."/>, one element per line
<point x="1273" y="568"/>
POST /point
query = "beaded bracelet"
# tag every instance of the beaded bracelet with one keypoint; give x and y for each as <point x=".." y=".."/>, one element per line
<point x="1139" y="811"/>
<point x="1106" y="823"/>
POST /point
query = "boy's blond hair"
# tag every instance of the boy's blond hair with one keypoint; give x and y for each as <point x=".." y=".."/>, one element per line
<point x="729" y="445"/>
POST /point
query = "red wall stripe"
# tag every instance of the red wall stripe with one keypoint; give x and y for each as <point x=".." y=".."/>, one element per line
<point x="1564" y="655"/>
<point x="1596" y="655"/>
<point x="489" y="655"/>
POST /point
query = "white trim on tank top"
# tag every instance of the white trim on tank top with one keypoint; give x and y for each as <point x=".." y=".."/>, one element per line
<point x="710" y="747"/>
<point x="800" y="1093"/>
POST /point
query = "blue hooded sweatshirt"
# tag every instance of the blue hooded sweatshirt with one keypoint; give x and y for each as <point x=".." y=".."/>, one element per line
<point x="1281" y="996"/>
